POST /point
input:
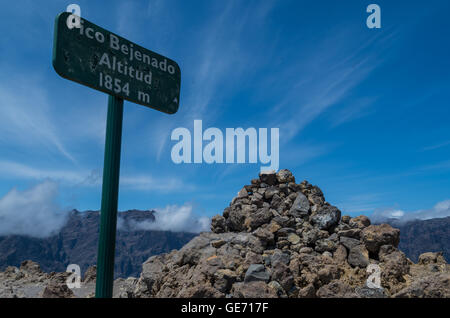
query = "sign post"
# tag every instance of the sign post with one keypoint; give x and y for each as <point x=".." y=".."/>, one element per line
<point x="110" y="191"/>
<point x="102" y="60"/>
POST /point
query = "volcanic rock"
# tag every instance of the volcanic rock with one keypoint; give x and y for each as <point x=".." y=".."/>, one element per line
<point x="282" y="239"/>
<point x="275" y="239"/>
<point x="375" y="236"/>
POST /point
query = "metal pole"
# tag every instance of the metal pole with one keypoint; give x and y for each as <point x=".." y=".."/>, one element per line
<point x="110" y="191"/>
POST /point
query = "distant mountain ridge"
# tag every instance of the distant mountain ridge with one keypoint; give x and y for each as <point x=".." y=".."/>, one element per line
<point x="76" y="243"/>
<point x="420" y="236"/>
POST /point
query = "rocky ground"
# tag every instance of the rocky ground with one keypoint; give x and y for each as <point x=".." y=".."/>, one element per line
<point x="29" y="281"/>
<point x="276" y="239"/>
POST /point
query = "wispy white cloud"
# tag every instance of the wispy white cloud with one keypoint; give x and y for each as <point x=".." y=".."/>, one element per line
<point x="147" y="183"/>
<point x="88" y="178"/>
<point x="440" y="210"/>
<point x="220" y="56"/>
<point x="223" y="53"/>
<point x="356" y="110"/>
<point x="154" y="7"/>
<point x="126" y="10"/>
<point x="360" y="203"/>
<point x="23" y="171"/>
<point x="441" y="166"/>
<point x="33" y="212"/>
<point x="173" y="218"/>
<point x="437" y="146"/>
<point x="334" y="68"/>
<point x="299" y="154"/>
<point x="25" y="118"/>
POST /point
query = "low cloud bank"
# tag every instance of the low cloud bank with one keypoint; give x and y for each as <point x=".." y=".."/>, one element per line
<point x="33" y="212"/>
<point x="171" y="218"/>
<point x="440" y="210"/>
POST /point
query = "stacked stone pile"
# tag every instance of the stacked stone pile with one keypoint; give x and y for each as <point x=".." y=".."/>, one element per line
<point x="278" y="238"/>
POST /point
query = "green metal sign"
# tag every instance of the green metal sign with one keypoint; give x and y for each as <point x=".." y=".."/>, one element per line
<point x="92" y="56"/>
<point x="95" y="57"/>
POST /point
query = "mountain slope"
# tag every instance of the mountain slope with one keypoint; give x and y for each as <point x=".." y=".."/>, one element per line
<point x="76" y="243"/>
<point x="420" y="236"/>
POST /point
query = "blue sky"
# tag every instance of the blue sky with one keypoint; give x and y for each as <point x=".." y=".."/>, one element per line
<point x="363" y="113"/>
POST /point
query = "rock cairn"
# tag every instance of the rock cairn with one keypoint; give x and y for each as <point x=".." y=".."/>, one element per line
<point x="278" y="238"/>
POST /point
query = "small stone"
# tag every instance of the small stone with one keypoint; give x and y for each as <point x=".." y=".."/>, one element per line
<point x="257" y="219"/>
<point x="254" y="289"/>
<point x="218" y="224"/>
<point x="224" y="279"/>
<point x="256" y="272"/>
<point x="353" y="233"/>
<point x="367" y="292"/>
<point x="11" y="271"/>
<point x="293" y="238"/>
<point x="307" y="292"/>
<point x="235" y="220"/>
<point x="359" y="222"/>
<point x="327" y="217"/>
<point x="293" y="187"/>
<point x="280" y="292"/>
<point x="300" y="207"/>
<point x="261" y="191"/>
<point x="90" y="274"/>
<point x="282" y="244"/>
<point x="264" y="235"/>
<point x="297" y="247"/>
<point x="374" y="236"/>
<point x="306" y="250"/>
<point x="217" y="243"/>
<point x="316" y="197"/>
<point x="257" y="199"/>
<point x="346" y="218"/>
<point x="243" y="193"/>
<point x="268" y="177"/>
<point x="267" y="259"/>
<point x="214" y="260"/>
<point x="348" y="242"/>
<point x="431" y="258"/>
<point x="325" y="245"/>
<point x="336" y="289"/>
<point x="284" y="188"/>
<point x="285" y="231"/>
<point x="285" y="176"/>
<point x="55" y="290"/>
<point x="30" y="267"/>
<point x="358" y="256"/>
<point x="270" y="192"/>
<point x="274" y="226"/>
<point x="282" y="220"/>
<point x="340" y="255"/>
